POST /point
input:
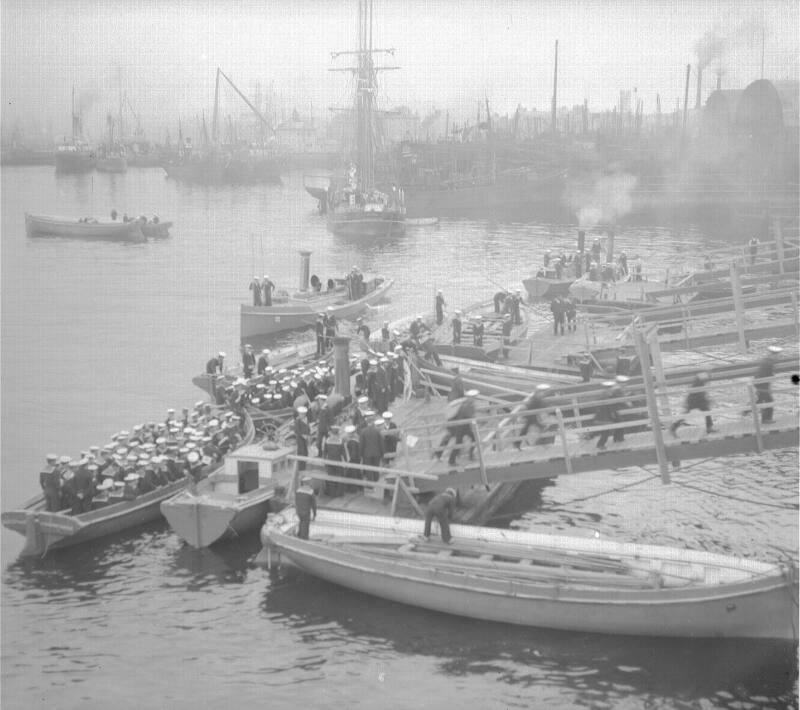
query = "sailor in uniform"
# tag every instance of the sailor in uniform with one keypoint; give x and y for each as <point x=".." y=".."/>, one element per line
<point x="305" y="505"/>
<point x="255" y="287"/>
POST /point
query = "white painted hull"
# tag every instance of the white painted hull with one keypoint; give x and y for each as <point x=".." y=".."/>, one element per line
<point x="750" y="600"/>
<point x="295" y="315"/>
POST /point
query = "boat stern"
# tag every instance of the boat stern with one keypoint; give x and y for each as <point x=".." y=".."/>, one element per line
<point x="42" y="530"/>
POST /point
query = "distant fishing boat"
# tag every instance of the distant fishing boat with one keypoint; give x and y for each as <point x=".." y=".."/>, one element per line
<point x="540" y="580"/>
<point x="46" y="226"/>
<point x="74" y="156"/>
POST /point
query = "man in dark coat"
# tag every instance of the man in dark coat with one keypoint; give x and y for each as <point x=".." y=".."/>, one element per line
<point x="440" y="304"/>
<point x="263" y="362"/>
<point x="696" y="399"/>
<point x="456" y="323"/>
<point x="477" y="332"/>
<point x="609" y="414"/>
<point x="456" y="387"/>
<point x="215" y="365"/>
<point x="248" y="361"/>
<point x="557" y="309"/>
<point x="301" y="434"/>
<point x="391" y="438"/>
<point x="532" y="406"/>
<point x="83" y="485"/>
<point x="442" y="507"/>
<point x="255" y="287"/>
<point x="305" y="505"/>
<point x="371" y="445"/>
<point x="330" y="329"/>
<point x="570" y="312"/>
<point x="267" y="287"/>
<point x="498" y="299"/>
<point x="324" y="421"/>
<point x="460" y="411"/>
<point x="50" y="481"/>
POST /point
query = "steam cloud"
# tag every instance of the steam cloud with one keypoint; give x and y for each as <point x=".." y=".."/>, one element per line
<point x="608" y="200"/>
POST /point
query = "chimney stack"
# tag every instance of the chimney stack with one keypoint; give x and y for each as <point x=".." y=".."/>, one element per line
<point x="699" y="85"/>
<point x="305" y="269"/>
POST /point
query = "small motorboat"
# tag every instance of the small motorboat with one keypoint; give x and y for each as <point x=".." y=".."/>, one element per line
<point x="232" y="500"/>
<point x="542" y="580"/>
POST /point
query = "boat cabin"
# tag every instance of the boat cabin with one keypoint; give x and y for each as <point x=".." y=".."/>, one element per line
<point x="251" y="467"/>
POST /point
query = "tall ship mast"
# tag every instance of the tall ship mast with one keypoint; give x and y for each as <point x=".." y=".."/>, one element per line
<point x="356" y="206"/>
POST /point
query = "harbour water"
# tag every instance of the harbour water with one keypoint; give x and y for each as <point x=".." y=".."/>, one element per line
<point x="99" y="336"/>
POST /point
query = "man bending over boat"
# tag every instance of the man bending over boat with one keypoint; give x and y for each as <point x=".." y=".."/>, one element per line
<point x="305" y="504"/>
<point x="442" y="507"/>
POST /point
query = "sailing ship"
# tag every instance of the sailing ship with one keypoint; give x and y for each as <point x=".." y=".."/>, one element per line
<point x="75" y="156"/>
<point x="356" y="206"/>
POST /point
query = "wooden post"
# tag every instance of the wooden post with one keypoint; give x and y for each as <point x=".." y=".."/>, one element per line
<point x="756" y="417"/>
<point x="658" y="364"/>
<point x="778" y="243"/>
<point x="411" y="498"/>
<point x="652" y="407"/>
<point x="479" y="449"/>
<point x="293" y="484"/>
<point x="395" y="496"/>
<point x="736" y="286"/>
<point x="563" y="435"/>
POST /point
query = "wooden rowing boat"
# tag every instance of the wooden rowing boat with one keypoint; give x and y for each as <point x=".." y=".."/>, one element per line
<point x="232" y="500"/>
<point x="45" y="226"/>
<point x="542" y="580"/>
<point x="46" y="531"/>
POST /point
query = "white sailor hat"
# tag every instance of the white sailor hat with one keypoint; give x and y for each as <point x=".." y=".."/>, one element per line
<point x="397" y="333"/>
<point x="386" y="322"/>
<point x="132" y="458"/>
<point x="373" y="362"/>
<point x="51" y="457"/>
<point x="438" y="290"/>
<point x="221" y="354"/>
<point x="387" y="415"/>
<point x="329" y="308"/>
<point x="379" y="422"/>
<point x="124" y="433"/>
<point x="302" y="410"/>
<point x="369" y="413"/>
<point x="265" y="276"/>
<point x="419" y="317"/>
<point x="247" y="346"/>
<point x="622" y="379"/>
<point x="255" y="277"/>
<point x="320" y="315"/>
<point x="774" y="349"/>
<point x="363" y="399"/>
<point x="306" y="479"/>
<point x="543" y="387"/>
<point x="137" y="428"/>
<point x="199" y="404"/>
<point x="266" y="351"/>
<point x="107" y="482"/>
<point x="94" y="448"/>
<point x="193" y="457"/>
<point x="213" y="423"/>
<point x="384" y="359"/>
<point x="121" y="451"/>
<point x="161" y="440"/>
<point x="131" y="477"/>
<point x="170" y="411"/>
<point x="322" y="396"/>
<point x="472" y="393"/>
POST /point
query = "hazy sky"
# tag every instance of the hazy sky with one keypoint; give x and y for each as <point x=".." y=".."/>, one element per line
<point x="452" y="53"/>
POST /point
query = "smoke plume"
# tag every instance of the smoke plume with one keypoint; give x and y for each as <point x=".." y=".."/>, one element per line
<point x="716" y="44"/>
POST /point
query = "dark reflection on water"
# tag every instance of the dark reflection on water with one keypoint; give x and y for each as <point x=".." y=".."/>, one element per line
<point x="595" y="667"/>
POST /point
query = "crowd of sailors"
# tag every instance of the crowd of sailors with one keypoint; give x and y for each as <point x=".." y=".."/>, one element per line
<point x="141" y="460"/>
<point x="589" y="262"/>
